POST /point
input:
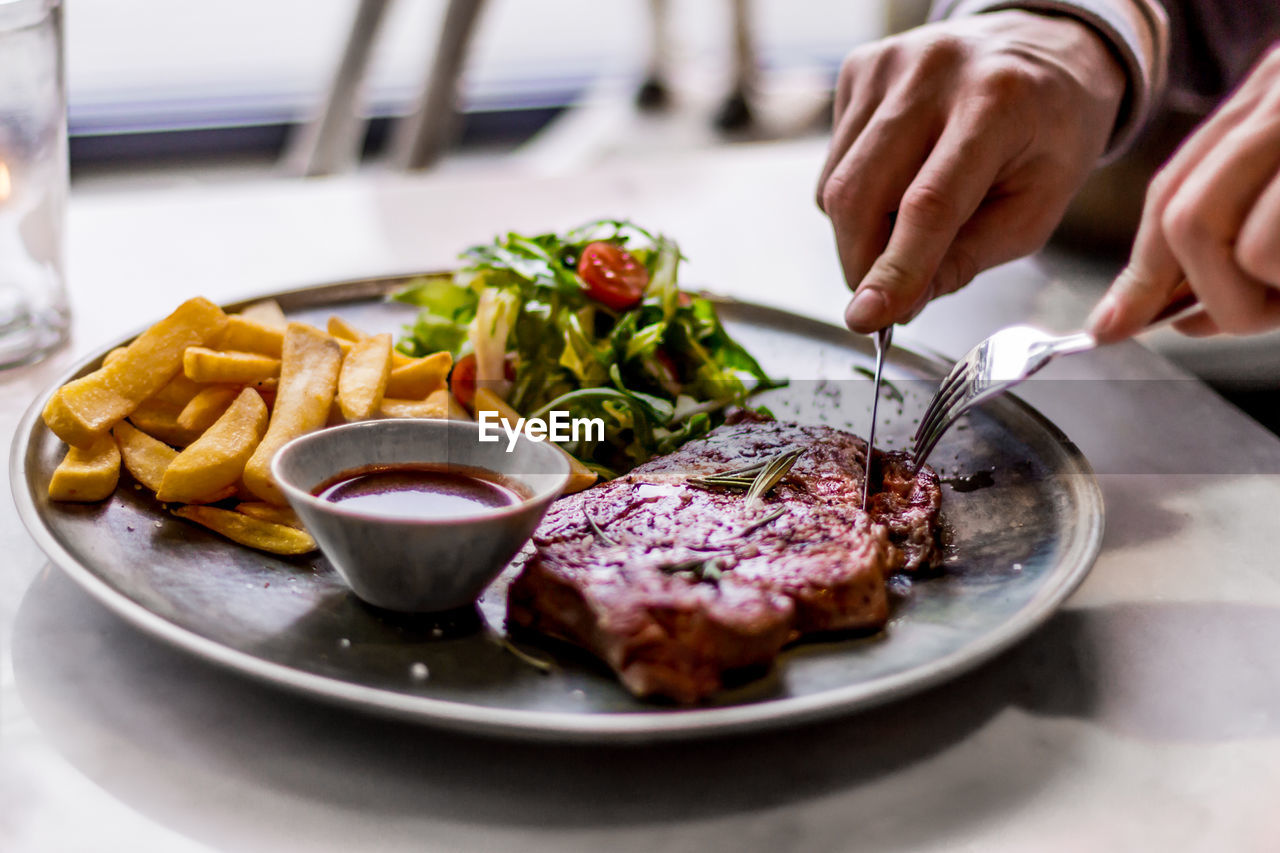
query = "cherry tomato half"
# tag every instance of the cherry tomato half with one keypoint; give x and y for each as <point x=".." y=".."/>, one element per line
<point x="613" y="277"/>
<point x="670" y="379"/>
<point x="462" y="379"/>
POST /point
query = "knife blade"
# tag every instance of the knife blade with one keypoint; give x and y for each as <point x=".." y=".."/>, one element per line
<point x="884" y="338"/>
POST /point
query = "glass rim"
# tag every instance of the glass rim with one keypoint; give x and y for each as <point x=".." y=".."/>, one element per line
<point x="17" y="14"/>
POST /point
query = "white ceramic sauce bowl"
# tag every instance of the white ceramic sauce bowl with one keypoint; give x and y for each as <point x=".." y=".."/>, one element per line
<point x="418" y="564"/>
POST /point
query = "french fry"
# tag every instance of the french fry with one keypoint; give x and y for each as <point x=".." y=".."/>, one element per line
<point x="207" y="406"/>
<point x="438" y="404"/>
<point x="213" y="497"/>
<point x="112" y="355"/>
<point x="269" y="512"/>
<point x="202" y="364"/>
<point x="87" y="474"/>
<point x="580" y="476"/>
<point x="309" y="369"/>
<point x="349" y="334"/>
<point x="340" y="328"/>
<point x="215" y="460"/>
<point x="249" y="531"/>
<point x="454" y="410"/>
<point x="244" y="334"/>
<point x="415" y="381"/>
<point x="179" y="390"/>
<point x="160" y="419"/>
<point x="363" y="379"/>
<point x="145" y="457"/>
<point x="267" y="312"/>
<point x="396" y="407"/>
<point x="86" y="408"/>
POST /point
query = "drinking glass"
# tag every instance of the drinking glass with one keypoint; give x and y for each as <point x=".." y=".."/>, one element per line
<point x="34" y="316"/>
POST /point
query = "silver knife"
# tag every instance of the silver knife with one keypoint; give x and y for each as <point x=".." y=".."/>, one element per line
<point x="884" y="338"/>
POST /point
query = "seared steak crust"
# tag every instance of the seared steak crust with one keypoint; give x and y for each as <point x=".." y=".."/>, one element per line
<point x="627" y="589"/>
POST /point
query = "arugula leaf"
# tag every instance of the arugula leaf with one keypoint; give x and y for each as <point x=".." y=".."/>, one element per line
<point x="645" y="342"/>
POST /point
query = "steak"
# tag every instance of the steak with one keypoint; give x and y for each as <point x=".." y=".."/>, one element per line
<point x="675" y="586"/>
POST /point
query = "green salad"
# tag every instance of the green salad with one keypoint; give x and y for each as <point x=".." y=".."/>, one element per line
<point x="591" y="322"/>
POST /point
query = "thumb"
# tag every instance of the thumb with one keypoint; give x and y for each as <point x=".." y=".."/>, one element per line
<point x="888" y="293"/>
<point x="1142" y="289"/>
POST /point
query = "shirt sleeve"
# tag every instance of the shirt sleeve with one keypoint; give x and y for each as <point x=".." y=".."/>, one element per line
<point x="1137" y="30"/>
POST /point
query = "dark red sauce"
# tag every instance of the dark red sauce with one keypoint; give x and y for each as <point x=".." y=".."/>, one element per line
<point x="419" y="490"/>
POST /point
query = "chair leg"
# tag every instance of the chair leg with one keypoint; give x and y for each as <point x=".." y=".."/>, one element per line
<point x="422" y="136"/>
<point x="735" y="110"/>
<point x="330" y="142"/>
<point x="654" y="93"/>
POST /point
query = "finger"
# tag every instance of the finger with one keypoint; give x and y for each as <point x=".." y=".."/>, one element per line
<point x="851" y="123"/>
<point x="1004" y="228"/>
<point x="1196" y="147"/>
<point x="957" y="176"/>
<point x="1258" y="248"/>
<point x="859" y="92"/>
<point x="864" y="191"/>
<point x="1153" y="272"/>
<point x="844" y="92"/>
<point x="1198" y="325"/>
<point x="1201" y="324"/>
<point x="1143" y="287"/>
<point x="1205" y="216"/>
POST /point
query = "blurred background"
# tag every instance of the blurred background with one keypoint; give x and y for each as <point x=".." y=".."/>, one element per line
<point x="181" y="92"/>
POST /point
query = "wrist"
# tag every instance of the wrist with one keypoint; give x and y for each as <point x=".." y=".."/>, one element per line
<point x="1134" y="32"/>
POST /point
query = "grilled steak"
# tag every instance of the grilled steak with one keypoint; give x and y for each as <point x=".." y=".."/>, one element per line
<point x="673" y="585"/>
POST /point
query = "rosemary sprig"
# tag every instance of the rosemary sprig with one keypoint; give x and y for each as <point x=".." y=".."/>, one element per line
<point x="756" y="479"/>
<point x="543" y="666"/>
<point x="709" y="569"/>
<point x="772" y="516"/>
<point x="772" y="475"/>
<point x="601" y="536"/>
<point x="712" y="568"/>
<point x="890" y="391"/>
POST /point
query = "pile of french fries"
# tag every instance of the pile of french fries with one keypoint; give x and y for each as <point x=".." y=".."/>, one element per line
<point x="196" y="407"/>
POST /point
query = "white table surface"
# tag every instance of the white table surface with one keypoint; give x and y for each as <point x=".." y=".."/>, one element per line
<point x="1144" y="716"/>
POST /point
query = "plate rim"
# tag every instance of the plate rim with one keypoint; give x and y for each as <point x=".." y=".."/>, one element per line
<point x="558" y="726"/>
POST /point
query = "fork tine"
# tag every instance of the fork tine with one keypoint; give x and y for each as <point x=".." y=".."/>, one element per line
<point x="922" y="451"/>
<point x="943" y="401"/>
<point x="963" y="399"/>
<point x="948" y="383"/>
<point x="943" y="412"/>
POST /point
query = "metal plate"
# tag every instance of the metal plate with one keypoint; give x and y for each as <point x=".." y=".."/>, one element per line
<point x="1017" y="550"/>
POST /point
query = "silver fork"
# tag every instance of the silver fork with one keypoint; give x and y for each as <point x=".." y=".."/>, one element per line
<point x="1002" y="361"/>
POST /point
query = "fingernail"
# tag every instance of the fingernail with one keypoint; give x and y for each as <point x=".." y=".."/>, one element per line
<point x="1101" y="317"/>
<point x="865" y="313"/>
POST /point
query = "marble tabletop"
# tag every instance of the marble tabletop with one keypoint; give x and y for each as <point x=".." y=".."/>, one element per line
<point x="1144" y="716"/>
